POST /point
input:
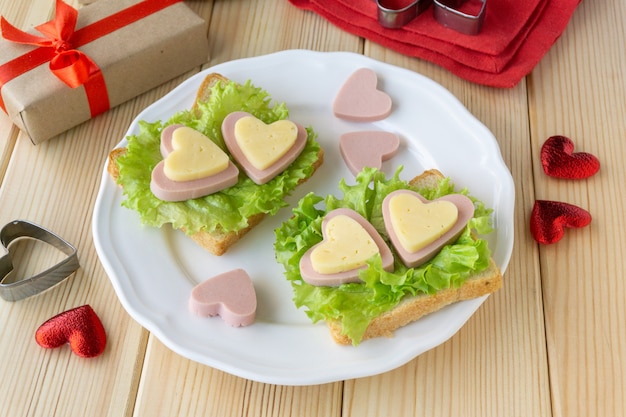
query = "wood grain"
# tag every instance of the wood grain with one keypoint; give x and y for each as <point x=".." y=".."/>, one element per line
<point x="578" y="91"/>
<point x="552" y="342"/>
<point x="478" y="363"/>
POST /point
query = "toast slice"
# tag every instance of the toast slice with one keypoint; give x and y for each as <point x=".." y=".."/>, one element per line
<point x="412" y="308"/>
<point x="218" y="241"/>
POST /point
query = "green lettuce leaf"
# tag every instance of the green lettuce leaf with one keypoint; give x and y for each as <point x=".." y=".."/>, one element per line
<point x="229" y="209"/>
<point x="356" y="304"/>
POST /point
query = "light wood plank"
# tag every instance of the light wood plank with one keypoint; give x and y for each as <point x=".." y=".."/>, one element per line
<point x="8" y="137"/>
<point x="65" y="174"/>
<point x="238" y="32"/>
<point x="57" y="382"/>
<point x="551" y="342"/>
<point x="578" y="91"/>
<point x="22" y="16"/>
<point x="53" y="388"/>
<point x="231" y="26"/>
<point x="27" y="15"/>
<point x="175" y="386"/>
<point x="493" y="356"/>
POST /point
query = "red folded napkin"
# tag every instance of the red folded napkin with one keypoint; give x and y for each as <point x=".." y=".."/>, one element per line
<point x="514" y="37"/>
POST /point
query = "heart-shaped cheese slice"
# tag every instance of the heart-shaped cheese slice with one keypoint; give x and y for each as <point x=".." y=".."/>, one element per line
<point x="194" y="156"/>
<point x="418" y="224"/>
<point x="166" y="189"/>
<point x="419" y="228"/>
<point x="264" y="144"/>
<point x="349" y="241"/>
<point x="347" y="245"/>
<point x="262" y="150"/>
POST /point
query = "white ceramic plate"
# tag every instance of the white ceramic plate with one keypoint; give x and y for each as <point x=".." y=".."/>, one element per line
<point x="154" y="270"/>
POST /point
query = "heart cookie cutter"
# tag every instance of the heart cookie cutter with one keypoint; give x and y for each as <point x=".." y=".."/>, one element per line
<point x="393" y="17"/>
<point x="446" y="12"/>
<point x="23" y="288"/>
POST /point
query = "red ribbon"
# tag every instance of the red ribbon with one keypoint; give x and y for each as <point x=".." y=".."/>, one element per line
<point x="59" y="46"/>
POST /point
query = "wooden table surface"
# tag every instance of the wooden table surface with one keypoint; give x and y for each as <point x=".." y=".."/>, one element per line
<point x="552" y="342"/>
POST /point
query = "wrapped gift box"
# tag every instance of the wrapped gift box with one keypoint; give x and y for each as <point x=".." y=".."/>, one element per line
<point x="140" y="45"/>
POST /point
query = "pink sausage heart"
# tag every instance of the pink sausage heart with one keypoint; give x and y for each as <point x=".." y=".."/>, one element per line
<point x="230" y="295"/>
<point x="465" y="208"/>
<point x="367" y="148"/>
<point x="549" y="219"/>
<point x="168" y="190"/>
<point x="313" y="277"/>
<point x="80" y="327"/>
<point x="359" y="99"/>
<point x="260" y="176"/>
<point x="559" y="159"/>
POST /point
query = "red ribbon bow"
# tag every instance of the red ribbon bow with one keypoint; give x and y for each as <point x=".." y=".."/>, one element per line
<point x="59" y="43"/>
<point x="70" y="65"/>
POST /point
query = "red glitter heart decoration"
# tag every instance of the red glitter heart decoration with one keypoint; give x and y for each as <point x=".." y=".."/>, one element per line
<point x="80" y="327"/>
<point x="549" y="219"/>
<point x="559" y="160"/>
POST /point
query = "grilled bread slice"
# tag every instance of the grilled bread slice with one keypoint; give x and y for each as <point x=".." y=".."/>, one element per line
<point x="218" y="241"/>
<point x="412" y="308"/>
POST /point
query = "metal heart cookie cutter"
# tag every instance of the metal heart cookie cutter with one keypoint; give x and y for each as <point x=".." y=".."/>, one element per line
<point x="23" y="288"/>
<point x="446" y="12"/>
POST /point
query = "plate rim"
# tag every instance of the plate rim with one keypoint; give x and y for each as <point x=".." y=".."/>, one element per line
<point x="259" y="374"/>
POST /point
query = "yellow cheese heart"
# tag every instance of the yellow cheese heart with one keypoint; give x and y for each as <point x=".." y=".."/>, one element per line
<point x="346" y="246"/>
<point x="194" y="156"/>
<point x="417" y="224"/>
<point x="264" y="144"/>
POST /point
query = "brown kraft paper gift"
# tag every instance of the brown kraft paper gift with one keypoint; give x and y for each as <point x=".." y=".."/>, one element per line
<point x="132" y="59"/>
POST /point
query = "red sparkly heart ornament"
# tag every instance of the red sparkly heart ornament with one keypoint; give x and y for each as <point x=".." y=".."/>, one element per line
<point x="80" y="327"/>
<point x="549" y="219"/>
<point x="559" y="160"/>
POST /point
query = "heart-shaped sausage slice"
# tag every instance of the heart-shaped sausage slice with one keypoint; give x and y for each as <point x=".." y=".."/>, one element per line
<point x="359" y="99"/>
<point x="549" y="219"/>
<point x="80" y="327"/>
<point x="230" y="295"/>
<point x="367" y="148"/>
<point x="349" y="241"/>
<point x="263" y="151"/>
<point x="419" y="228"/>
<point x="559" y="160"/>
<point x="193" y="166"/>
